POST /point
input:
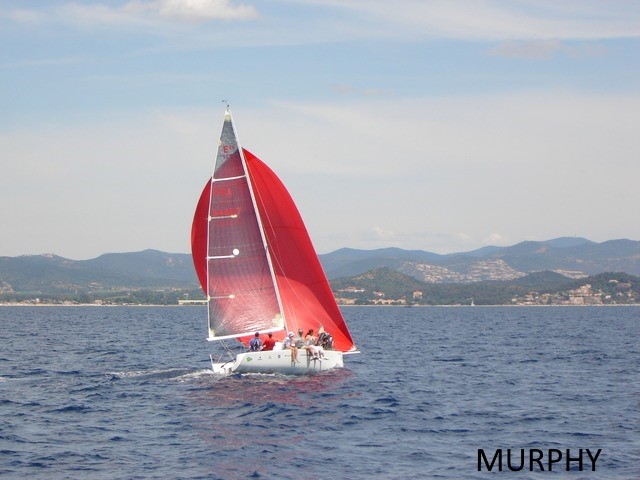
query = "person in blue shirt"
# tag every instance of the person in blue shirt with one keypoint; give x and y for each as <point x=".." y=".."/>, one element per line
<point x="255" y="345"/>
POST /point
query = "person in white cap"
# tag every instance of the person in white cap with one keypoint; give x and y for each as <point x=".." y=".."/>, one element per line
<point x="288" y="344"/>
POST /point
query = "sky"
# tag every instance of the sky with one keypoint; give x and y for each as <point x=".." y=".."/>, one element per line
<point x="421" y="124"/>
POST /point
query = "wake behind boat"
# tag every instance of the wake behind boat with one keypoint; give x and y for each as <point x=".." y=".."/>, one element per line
<point x="258" y="268"/>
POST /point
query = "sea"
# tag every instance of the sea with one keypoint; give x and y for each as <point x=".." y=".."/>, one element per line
<point x="127" y="393"/>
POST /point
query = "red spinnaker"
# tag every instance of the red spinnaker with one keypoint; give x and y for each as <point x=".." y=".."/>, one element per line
<point x="199" y="236"/>
<point x="305" y="292"/>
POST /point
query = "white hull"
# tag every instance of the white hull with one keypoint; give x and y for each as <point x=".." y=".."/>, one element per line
<point x="279" y="361"/>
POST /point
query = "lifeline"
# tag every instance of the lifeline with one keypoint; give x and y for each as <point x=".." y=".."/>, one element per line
<point x="537" y="459"/>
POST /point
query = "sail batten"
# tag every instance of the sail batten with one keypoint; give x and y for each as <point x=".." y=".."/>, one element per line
<point x="227" y="178"/>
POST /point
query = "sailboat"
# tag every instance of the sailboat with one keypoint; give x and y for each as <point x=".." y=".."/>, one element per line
<point x="258" y="268"/>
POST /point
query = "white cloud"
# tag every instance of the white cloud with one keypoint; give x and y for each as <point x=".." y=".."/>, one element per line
<point x="307" y="21"/>
<point x="383" y="234"/>
<point x="543" y="49"/>
<point x="135" y="12"/>
<point x="495" y="239"/>
<point x="498" y="19"/>
<point x="191" y="10"/>
<point x="24" y="16"/>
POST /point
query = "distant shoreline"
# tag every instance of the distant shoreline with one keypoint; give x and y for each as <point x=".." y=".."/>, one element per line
<point x="72" y="305"/>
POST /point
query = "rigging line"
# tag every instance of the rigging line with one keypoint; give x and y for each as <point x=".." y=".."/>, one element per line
<point x="277" y="260"/>
<point x="258" y="218"/>
<point x="227" y="349"/>
<point x="266" y="212"/>
<point x="257" y="196"/>
<point x="270" y="223"/>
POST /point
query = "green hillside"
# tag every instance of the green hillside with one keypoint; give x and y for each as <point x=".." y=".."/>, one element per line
<point x="383" y="285"/>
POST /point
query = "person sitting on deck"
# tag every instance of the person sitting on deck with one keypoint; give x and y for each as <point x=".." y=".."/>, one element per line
<point x="255" y="345"/>
<point x="325" y="340"/>
<point x="289" y="344"/>
<point x="311" y="346"/>
<point x="299" y="340"/>
<point x="309" y="339"/>
<point x="269" y="343"/>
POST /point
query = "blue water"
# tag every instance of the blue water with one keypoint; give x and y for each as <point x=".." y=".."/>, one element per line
<point x="124" y="393"/>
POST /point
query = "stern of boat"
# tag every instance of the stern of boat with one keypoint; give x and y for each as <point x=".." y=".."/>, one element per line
<point x="225" y="368"/>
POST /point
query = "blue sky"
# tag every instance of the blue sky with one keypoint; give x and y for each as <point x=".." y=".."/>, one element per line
<point x="442" y="126"/>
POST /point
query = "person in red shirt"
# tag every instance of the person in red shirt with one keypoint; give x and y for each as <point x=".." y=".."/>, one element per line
<point x="269" y="343"/>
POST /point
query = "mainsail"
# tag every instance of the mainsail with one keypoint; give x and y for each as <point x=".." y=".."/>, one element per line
<point x="238" y="280"/>
<point x="253" y="255"/>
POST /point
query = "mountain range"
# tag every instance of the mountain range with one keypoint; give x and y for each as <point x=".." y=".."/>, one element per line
<point x="572" y="257"/>
<point x="148" y="269"/>
<point x="152" y="269"/>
